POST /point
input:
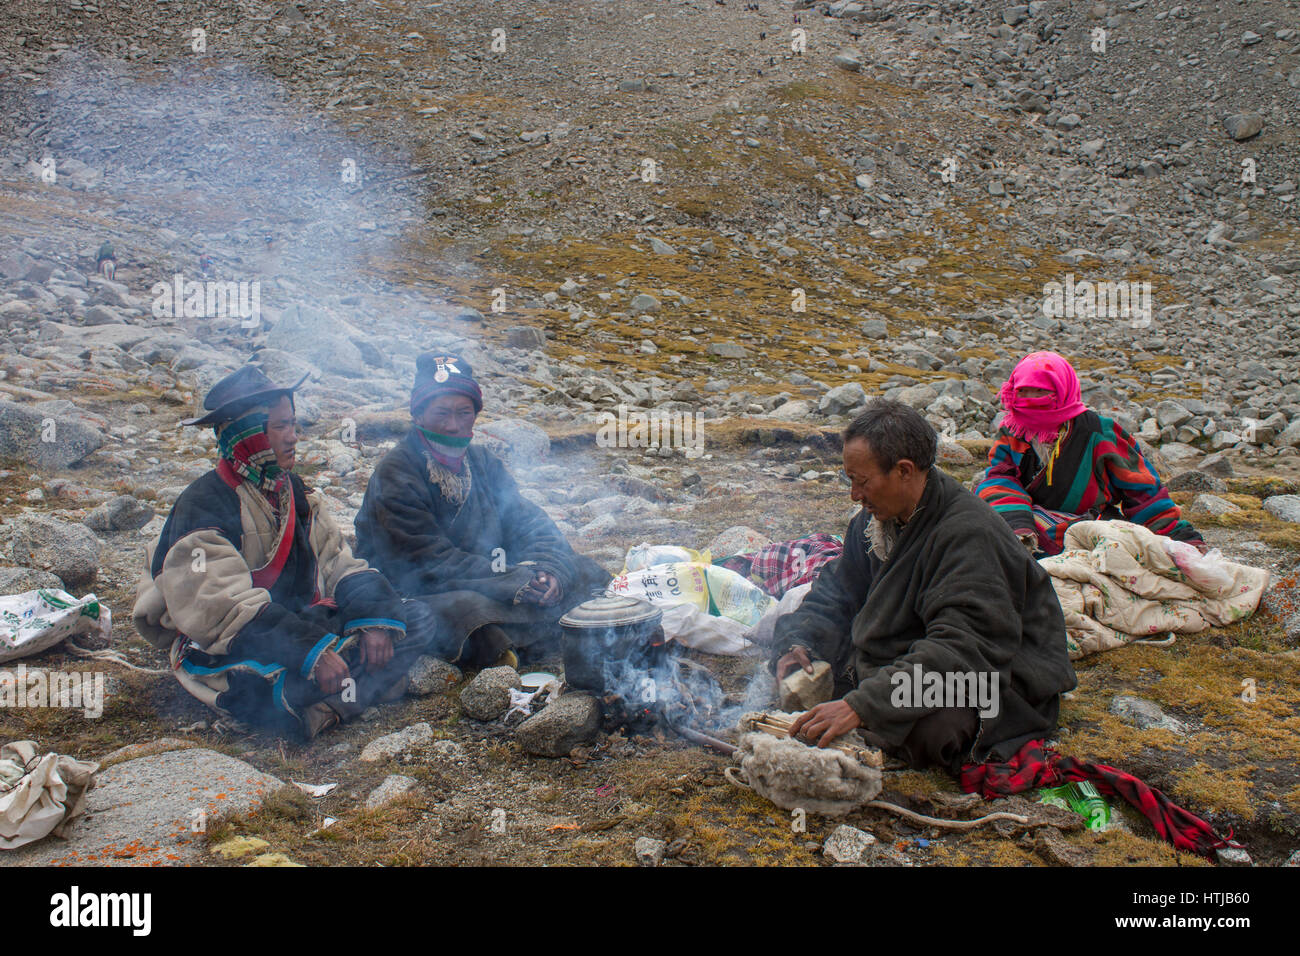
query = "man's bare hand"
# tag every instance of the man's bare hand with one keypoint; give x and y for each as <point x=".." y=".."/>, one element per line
<point x="376" y="649"/>
<point x="330" y="672"/>
<point x="547" y="587"/>
<point x="797" y="657"/>
<point x="825" y="722"/>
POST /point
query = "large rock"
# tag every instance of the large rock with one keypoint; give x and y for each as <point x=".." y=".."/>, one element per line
<point x="514" y="440"/>
<point x="727" y="350"/>
<point x="395" y="744"/>
<point x="487" y="696"/>
<point x="395" y="785"/>
<point x="69" y="550"/>
<point x="525" y="337"/>
<point x="1243" y="125"/>
<point x="153" y="811"/>
<point x="1290" y="436"/>
<point x="738" y="539"/>
<point x="18" y="580"/>
<point x="848" y="844"/>
<point x="431" y="675"/>
<point x="1284" y="507"/>
<point x="649" y="851"/>
<point x="1217" y="464"/>
<point x="1145" y="715"/>
<point x="1196" y="481"/>
<point x="1172" y="413"/>
<point x="917" y="396"/>
<point x="842" y="398"/>
<point x="1212" y="505"/>
<point x="560" y="726"/>
<point x="44" y="441"/>
<point x="322" y="340"/>
<point x="122" y="513"/>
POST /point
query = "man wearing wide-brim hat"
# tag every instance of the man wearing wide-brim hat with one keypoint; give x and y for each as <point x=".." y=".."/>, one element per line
<point x="269" y="617"/>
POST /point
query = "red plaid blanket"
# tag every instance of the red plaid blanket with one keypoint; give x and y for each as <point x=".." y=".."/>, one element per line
<point x="1033" y="766"/>
<point x="783" y="565"/>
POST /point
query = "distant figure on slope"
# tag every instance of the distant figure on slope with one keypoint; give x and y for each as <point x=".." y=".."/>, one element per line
<point x="1057" y="462"/>
<point x="105" y="264"/>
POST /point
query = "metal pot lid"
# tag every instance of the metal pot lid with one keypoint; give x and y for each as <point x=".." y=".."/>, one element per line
<point x="617" y="610"/>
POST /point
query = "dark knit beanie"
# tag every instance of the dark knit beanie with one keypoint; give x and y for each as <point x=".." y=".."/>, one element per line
<point x="443" y="374"/>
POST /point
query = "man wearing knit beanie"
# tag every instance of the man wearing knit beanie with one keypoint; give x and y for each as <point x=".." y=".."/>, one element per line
<point x="445" y="523"/>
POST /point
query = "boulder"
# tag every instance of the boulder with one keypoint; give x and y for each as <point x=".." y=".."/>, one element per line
<point x="48" y="442"/>
<point x="525" y="337"/>
<point x="123" y="513"/>
<point x="18" y="580"/>
<point x="395" y="785"/>
<point x="487" y="696"/>
<point x="560" y="726"/>
<point x="1196" y="481"/>
<point x="1212" y="505"/>
<point x="395" y="744"/>
<point x="842" y="398"/>
<point x="1284" y="507"/>
<point x="153" y="811"/>
<point x="430" y="675"/>
<point x="515" y="441"/>
<point x="69" y="550"/>
<point x="848" y="845"/>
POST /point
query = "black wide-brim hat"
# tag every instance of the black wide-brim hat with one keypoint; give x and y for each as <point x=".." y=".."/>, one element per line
<point x="246" y="387"/>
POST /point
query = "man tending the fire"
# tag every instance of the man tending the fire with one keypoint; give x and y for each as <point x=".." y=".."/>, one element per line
<point x="931" y="581"/>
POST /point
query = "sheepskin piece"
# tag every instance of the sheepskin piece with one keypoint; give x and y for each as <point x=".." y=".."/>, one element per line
<point x="794" y="775"/>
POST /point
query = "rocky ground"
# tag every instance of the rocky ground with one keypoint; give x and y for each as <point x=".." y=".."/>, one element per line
<point x="661" y="206"/>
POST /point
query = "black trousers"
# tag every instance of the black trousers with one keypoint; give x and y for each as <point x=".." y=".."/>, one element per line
<point x="253" y="699"/>
<point x="943" y="738"/>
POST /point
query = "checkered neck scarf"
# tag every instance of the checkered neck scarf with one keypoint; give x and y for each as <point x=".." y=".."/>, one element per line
<point x="244" y="444"/>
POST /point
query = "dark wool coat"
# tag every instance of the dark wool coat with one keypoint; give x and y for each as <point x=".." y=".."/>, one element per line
<point x="958" y="593"/>
<point x="444" y="554"/>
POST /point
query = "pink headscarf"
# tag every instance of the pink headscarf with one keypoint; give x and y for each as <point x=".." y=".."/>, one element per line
<point x="1041" y="417"/>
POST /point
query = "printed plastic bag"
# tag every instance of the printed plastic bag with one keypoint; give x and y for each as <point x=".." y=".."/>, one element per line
<point x="36" y="620"/>
<point x="665" y="585"/>
<point x="735" y="596"/>
<point x="714" y="590"/>
<point x="646" y="555"/>
<point x="1206" y="572"/>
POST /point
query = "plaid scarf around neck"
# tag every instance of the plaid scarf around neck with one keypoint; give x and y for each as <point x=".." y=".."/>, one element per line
<point x="244" y="444"/>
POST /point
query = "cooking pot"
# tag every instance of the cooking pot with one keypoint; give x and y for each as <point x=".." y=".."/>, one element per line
<point x="611" y="629"/>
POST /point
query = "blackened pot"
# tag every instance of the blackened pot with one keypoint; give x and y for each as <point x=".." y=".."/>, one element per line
<point x="607" y="631"/>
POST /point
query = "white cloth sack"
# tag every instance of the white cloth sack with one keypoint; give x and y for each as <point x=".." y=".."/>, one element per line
<point x="34" y="621"/>
<point x="42" y="800"/>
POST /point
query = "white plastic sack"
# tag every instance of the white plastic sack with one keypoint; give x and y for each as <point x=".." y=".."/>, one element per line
<point x="765" y="629"/>
<point x="702" y="631"/>
<point x="1206" y="572"/>
<point x="36" y="620"/>
<point x="646" y="555"/>
<point x="39" y="796"/>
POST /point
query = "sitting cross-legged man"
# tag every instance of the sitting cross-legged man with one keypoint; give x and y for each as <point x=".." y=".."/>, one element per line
<point x="445" y="522"/>
<point x="269" y="617"/>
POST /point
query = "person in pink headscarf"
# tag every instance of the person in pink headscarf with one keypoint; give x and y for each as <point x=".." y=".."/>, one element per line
<point x="1056" y="462"/>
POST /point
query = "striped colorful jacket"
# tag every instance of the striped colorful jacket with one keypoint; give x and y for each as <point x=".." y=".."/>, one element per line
<point x="1099" y="472"/>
